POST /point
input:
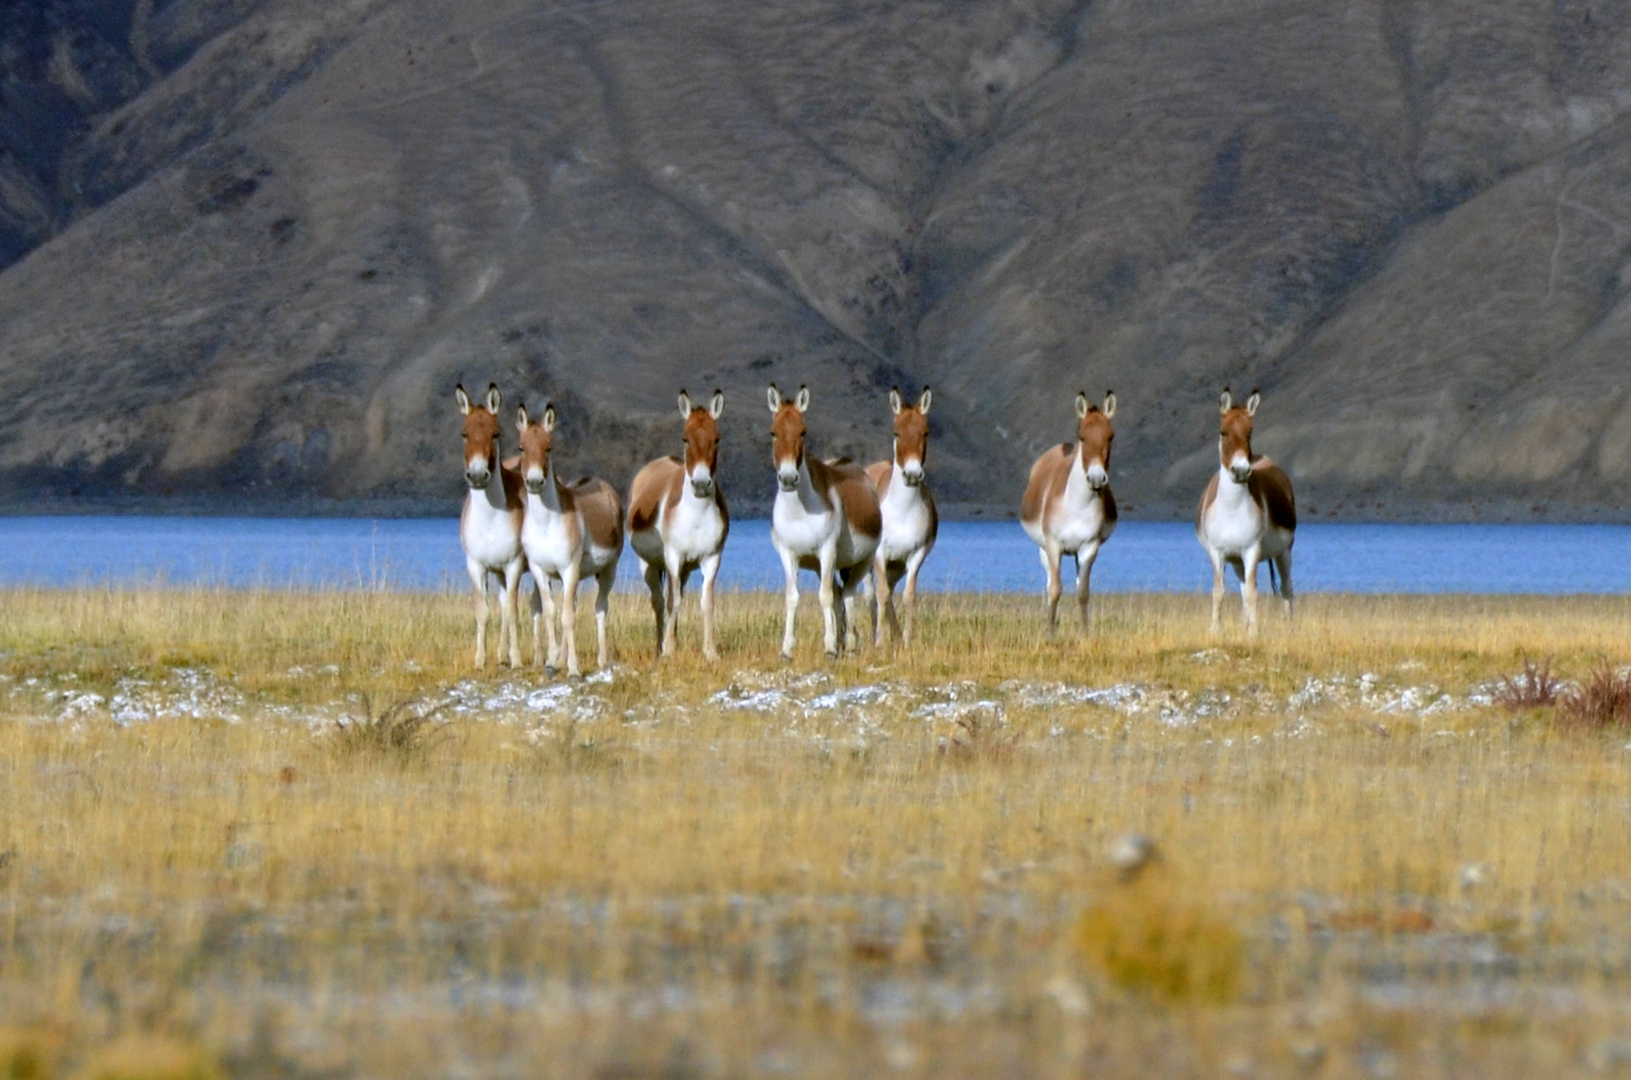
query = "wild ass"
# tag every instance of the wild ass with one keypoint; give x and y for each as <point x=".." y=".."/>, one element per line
<point x="678" y="522"/>
<point x="569" y="532"/>
<point x="1068" y="508"/>
<point x="490" y="524"/>
<point x="910" y="522"/>
<point x="1247" y="515"/>
<point x="825" y="519"/>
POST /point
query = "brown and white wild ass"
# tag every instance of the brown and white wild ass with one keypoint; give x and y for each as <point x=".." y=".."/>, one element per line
<point x="1068" y="508"/>
<point x="490" y="524"/>
<point x="569" y="532"/>
<point x="678" y="522"/>
<point x="1247" y="515"/>
<point x="825" y="519"/>
<point x="906" y="507"/>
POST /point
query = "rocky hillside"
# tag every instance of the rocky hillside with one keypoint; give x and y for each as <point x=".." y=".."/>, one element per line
<point x="252" y="245"/>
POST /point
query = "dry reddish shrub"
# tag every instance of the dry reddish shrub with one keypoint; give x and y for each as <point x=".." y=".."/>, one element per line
<point x="1532" y="688"/>
<point x="1602" y="701"/>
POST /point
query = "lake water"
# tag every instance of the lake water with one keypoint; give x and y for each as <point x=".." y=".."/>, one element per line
<point x="419" y="554"/>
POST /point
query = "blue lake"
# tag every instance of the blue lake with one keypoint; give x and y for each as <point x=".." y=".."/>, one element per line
<point x="423" y="554"/>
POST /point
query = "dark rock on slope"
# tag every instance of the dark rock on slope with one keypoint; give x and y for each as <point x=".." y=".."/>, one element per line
<point x="264" y="239"/>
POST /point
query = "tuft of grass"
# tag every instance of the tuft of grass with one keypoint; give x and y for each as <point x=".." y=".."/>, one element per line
<point x="1602" y="701"/>
<point x="29" y="1053"/>
<point x="1147" y="938"/>
<point x="402" y="730"/>
<point x="150" y="1057"/>
<point x="1532" y="688"/>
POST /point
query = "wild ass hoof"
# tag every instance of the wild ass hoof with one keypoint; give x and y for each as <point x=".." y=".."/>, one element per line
<point x="787" y="657"/>
<point x="831" y="655"/>
<point x="711" y="655"/>
<point x="550" y="671"/>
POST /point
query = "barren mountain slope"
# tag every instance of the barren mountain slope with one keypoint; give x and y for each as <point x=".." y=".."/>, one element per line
<point x="1403" y="220"/>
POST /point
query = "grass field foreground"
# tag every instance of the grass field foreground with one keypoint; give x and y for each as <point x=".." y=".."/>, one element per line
<point x="296" y="835"/>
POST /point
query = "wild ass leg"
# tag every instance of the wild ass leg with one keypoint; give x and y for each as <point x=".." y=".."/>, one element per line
<point x="914" y="563"/>
<point x="671" y="613"/>
<point x="1084" y="575"/>
<point x="1283" y="564"/>
<point x="478" y="578"/>
<point x="510" y="615"/>
<point x="1248" y="587"/>
<point x="569" y="619"/>
<point x="1050" y="562"/>
<point x="710" y="571"/>
<point x="552" y="665"/>
<point x="882" y="599"/>
<point x="653" y="573"/>
<point x="1217" y="590"/>
<point x="790" y="567"/>
<point x="851" y="627"/>
<point x="537" y="605"/>
<point x="829" y="615"/>
<point x="604" y="580"/>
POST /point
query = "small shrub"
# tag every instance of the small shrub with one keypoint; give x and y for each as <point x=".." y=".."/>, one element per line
<point x="1532" y="688"/>
<point x="980" y="737"/>
<point x="1146" y="939"/>
<point x="150" y="1057"/>
<point x="1601" y="701"/>
<point x="29" y="1053"/>
<point x="402" y="730"/>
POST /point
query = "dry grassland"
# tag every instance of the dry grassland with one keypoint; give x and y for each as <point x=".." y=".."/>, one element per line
<point x="282" y="835"/>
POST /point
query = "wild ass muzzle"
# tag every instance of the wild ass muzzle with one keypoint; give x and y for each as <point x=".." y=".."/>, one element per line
<point x="678" y="522"/>
<point x="490" y="524"/>
<point x="1068" y="508"/>
<point x="1247" y="514"/>
<point x="569" y="532"/>
<point x="825" y="518"/>
<point x="910" y="522"/>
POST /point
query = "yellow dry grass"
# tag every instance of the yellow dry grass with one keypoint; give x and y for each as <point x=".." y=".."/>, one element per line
<point x="889" y="864"/>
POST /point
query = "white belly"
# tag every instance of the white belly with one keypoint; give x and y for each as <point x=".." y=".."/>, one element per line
<point x="796" y="530"/>
<point x="490" y="538"/>
<point x="544" y="538"/>
<point x="1076" y="526"/>
<point x="905" y="527"/>
<point x="694" y="529"/>
<point x="1233" y="523"/>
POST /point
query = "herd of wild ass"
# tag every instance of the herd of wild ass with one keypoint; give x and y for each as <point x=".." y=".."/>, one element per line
<point x="852" y="526"/>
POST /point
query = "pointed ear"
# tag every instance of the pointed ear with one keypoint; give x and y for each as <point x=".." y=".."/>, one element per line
<point x="685" y="405"/>
<point x="463" y="399"/>
<point x="549" y="417"/>
<point x="894" y="400"/>
<point x="924" y="400"/>
<point x="716" y="405"/>
<point x="1225" y="401"/>
<point x="1253" y="402"/>
<point x="1081" y="406"/>
<point x="1109" y="404"/>
<point x="802" y="402"/>
<point x="494" y="399"/>
<point x="774" y="396"/>
<point x="522" y="421"/>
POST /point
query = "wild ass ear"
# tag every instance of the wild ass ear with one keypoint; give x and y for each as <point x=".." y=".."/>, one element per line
<point x="1109" y="404"/>
<point x="1225" y="400"/>
<point x="924" y="400"/>
<point x="685" y="405"/>
<point x="894" y="400"/>
<point x="775" y="398"/>
<point x="522" y="420"/>
<point x="549" y="417"/>
<point x="1253" y="402"/>
<point x="802" y="402"/>
<point x="716" y="404"/>
<point x="463" y="399"/>
<point x="494" y="399"/>
<point x="1081" y="406"/>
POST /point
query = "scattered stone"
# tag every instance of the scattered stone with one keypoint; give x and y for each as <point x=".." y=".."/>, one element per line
<point x="1131" y="854"/>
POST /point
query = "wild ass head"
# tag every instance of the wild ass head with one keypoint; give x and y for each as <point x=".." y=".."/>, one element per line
<point x="787" y="435"/>
<point x="702" y="442"/>
<point x="1235" y="435"/>
<point x="537" y="440"/>
<point x="911" y="435"/>
<point x="480" y="436"/>
<point x="1094" y="433"/>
